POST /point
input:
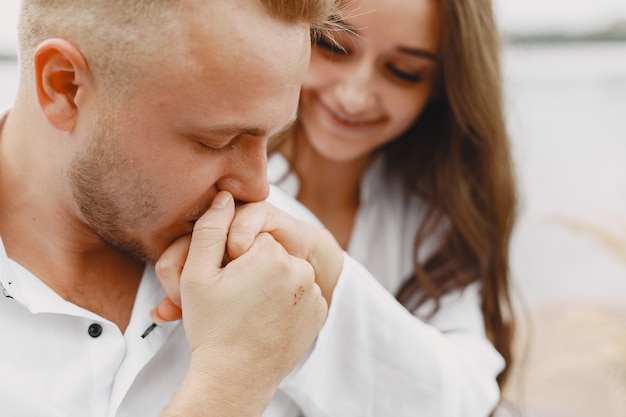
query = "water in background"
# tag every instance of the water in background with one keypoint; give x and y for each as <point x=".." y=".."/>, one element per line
<point x="566" y="108"/>
<point x="567" y="115"/>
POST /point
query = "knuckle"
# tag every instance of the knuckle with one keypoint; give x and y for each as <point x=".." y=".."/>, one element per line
<point x="205" y="224"/>
<point x="166" y="267"/>
<point x="308" y="272"/>
<point x="208" y="234"/>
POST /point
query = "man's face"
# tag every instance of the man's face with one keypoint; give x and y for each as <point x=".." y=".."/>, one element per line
<point x="152" y="163"/>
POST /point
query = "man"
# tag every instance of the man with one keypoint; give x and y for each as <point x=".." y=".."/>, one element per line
<point x="136" y="123"/>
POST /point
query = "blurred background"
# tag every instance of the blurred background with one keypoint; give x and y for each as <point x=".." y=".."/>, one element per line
<point x="564" y="66"/>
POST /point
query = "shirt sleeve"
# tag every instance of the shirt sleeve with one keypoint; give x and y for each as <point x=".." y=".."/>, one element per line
<point x="374" y="358"/>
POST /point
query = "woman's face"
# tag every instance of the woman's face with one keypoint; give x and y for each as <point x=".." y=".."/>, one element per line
<point x="355" y="100"/>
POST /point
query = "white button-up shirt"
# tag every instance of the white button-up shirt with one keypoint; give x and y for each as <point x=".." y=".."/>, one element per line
<point x="372" y="358"/>
<point x="407" y="365"/>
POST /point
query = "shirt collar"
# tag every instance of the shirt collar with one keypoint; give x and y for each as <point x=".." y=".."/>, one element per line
<point x="24" y="287"/>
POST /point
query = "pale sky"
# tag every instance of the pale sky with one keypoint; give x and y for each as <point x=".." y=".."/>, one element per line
<point x="513" y="15"/>
<point x="558" y="15"/>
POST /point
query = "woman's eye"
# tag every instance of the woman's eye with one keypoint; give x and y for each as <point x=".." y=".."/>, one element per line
<point x="330" y="46"/>
<point x="408" y="77"/>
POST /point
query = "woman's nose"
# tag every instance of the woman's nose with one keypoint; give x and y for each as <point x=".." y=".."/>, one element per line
<point x="356" y="92"/>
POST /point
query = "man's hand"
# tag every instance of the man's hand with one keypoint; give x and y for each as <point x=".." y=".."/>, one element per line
<point x="248" y="321"/>
<point x="313" y="244"/>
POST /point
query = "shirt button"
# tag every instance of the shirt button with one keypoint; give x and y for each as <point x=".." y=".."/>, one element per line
<point x="95" y="330"/>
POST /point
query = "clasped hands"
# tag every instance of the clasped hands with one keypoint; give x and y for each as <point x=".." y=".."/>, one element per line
<point x="263" y="307"/>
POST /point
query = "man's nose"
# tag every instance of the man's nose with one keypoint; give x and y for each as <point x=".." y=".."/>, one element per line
<point x="246" y="173"/>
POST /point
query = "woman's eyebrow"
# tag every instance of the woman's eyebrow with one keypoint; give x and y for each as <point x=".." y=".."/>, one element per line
<point x="418" y="52"/>
<point x="421" y="53"/>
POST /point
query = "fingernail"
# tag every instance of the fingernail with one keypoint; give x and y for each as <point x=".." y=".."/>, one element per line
<point x="154" y="316"/>
<point x="220" y="200"/>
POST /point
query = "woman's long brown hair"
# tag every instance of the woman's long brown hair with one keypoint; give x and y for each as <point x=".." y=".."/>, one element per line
<point x="456" y="157"/>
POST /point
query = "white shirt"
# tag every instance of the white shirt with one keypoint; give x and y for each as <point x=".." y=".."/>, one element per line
<point x="372" y="358"/>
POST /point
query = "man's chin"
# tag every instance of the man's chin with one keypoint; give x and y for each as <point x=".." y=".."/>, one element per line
<point x="134" y="250"/>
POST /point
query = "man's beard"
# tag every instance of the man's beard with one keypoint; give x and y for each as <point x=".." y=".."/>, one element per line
<point x="110" y="193"/>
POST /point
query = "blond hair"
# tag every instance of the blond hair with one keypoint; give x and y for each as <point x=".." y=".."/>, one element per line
<point x="111" y="33"/>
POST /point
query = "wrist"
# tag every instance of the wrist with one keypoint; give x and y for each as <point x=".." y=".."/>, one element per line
<point x="210" y="391"/>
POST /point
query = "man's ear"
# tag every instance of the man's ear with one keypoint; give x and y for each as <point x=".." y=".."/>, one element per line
<point x="60" y="75"/>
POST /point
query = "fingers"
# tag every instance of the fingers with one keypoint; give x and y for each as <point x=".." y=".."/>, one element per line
<point x="170" y="265"/>
<point x="266" y="302"/>
<point x="255" y="218"/>
<point x="166" y="311"/>
<point x="304" y="240"/>
<point x="208" y="240"/>
<point x="248" y="322"/>
<point x="208" y="247"/>
<point x="249" y="328"/>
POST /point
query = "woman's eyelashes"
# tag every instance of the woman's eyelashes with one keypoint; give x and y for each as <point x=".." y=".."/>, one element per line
<point x="331" y="46"/>
<point x="405" y="76"/>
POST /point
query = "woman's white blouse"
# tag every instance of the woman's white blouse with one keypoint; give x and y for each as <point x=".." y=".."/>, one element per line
<point x="379" y="360"/>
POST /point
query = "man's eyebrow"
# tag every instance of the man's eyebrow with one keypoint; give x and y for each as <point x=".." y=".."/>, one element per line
<point x="237" y="129"/>
<point x="232" y="130"/>
<point x="420" y="53"/>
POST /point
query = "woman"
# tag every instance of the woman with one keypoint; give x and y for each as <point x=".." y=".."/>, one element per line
<point x="401" y="151"/>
